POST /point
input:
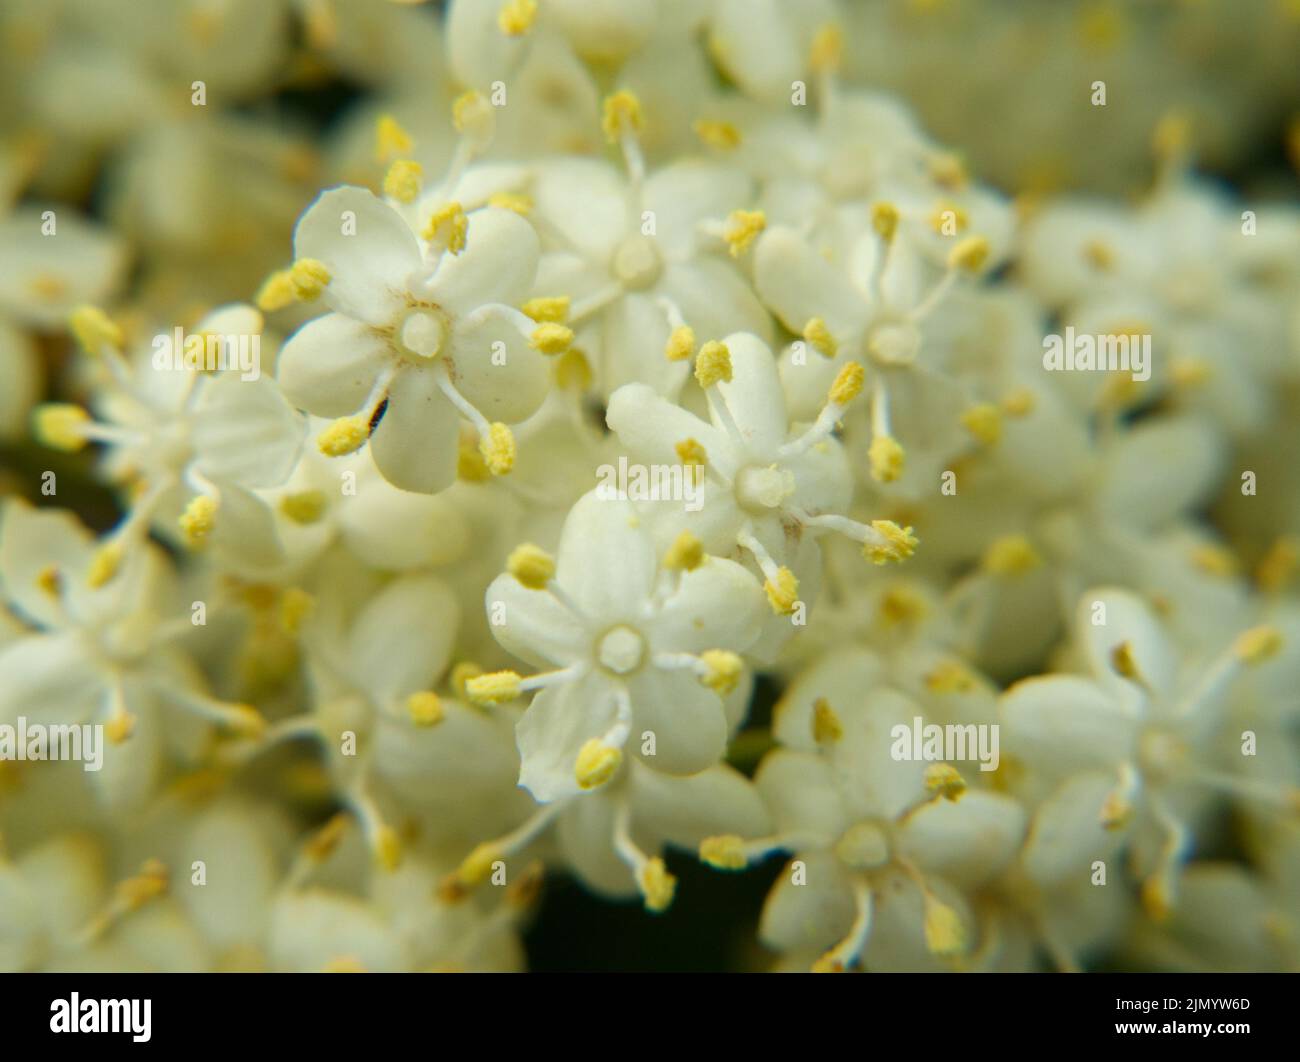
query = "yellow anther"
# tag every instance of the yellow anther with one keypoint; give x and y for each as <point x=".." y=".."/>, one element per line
<point x="621" y="117"/>
<point x="59" y="425"/>
<point x="295" y="606"/>
<point x="827" y="728"/>
<point x="1099" y="255"/>
<point x="970" y="254"/>
<point x="819" y="337"/>
<point x="945" y="935"/>
<point x="387" y="848"/>
<point x="725" y="852"/>
<point x="198" y="520"/>
<point x="1157" y="897"/>
<point x="742" y="228"/>
<point x="724" y="670"/>
<point x="899" y="543"/>
<point x="309" y="278"/>
<point x="304" y="506"/>
<point x="887" y="458"/>
<point x="448" y="226"/>
<point x="685" y="554"/>
<point x="552" y="309"/>
<point x="425" y="708"/>
<point x="782" y="591"/>
<point x="104" y="564"/>
<point x="460" y="675"/>
<point x="681" y="344"/>
<point x="1279" y="565"/>
<point x="1011" y="555"/>
<point x="1215" y="560"/>
<point x="950" y="677"/>
<point x="848" y="384"/>
<point x="691" y="452"/>
<point x="721" y="136"/>
<point x="944" y="780"/>
<point x="1172" y="136"/>
<point x="344" y="436"/>
<point x="827" y="51"/>
<point x="596" y="763"/>
<point x="1019" y="403"/>
<point x="246" y="721"/>
<point x="657" y="885"/>
<point x="516" y="201"/>
<point x="713" y="364"/>
<point x="949" y="219"/>
<point x="516" y="17"/>
<point x="949" y="171"/>
<point x="402" y="181"/>
<point x="884" y="219"/>
<point x="120" y="726"/>
<point x="495" y="687"/>
<point x="901" y="604"/>
<point x="1257" y="644"/>
<point x="149" y="884"/>
<point x="473" y="116"/>
<point x="531" y="565"/>
<point x="1116" y="811"/>
<point x="498" y="449"/>
<point x="277" y="292"/>
<point x="470" y="465"/>
<point x="572" y="370"/>
<point x="551" y="338"/>
<point x="391" y="139"/>
<point x="984" y="422"/>
<point x="94" y="329"/>
<point x="50" y="580"/>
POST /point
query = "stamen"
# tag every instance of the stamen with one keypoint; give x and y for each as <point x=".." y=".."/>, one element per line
<point x="391" y="140"/>
<point x="849" y="950"/>
<point x="309" y="278"/>
<point x="826" y="725"/>
<point x="402" y="181"/>
<point x="531" y="565"/>
<point x="742" y="228"/>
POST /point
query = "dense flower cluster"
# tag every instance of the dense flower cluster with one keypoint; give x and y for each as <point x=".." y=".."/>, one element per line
<point x="639" y="365"/>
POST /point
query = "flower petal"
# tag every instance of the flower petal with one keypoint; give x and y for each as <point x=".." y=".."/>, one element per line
<point x="329" y="365"/>
<point x="416" y="443"/>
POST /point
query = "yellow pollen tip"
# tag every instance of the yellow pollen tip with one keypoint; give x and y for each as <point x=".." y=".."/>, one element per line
<point x="149" y="884"/>
<point x="476" y="867"/>
<point x="949" y="215"/>
<point x="884" y="219"/>
<point x="827" y="51"/>
<point x="782" y="591"/>
<point x="944" y="933"/>
<point x="391" y="139"/>
<point x="198" y="520"/>
<point x="387" y="848"/>
<point x="304" y="507"/>
<point x="120" y="726"/>
<point x="1279" y="565"/>
<point x="681" y="344"/>
<point x="984" y="422"/>
<point x="531" y="565"/>
<point x="344" y="436"/>
<point x="685" y="554"/>
<point x="94" y="329"/>
<point x="950" y="677"/>
<point x="309" y="278"/>
<point x="277" y="292"/>
<point x="50" y="580"/>
<point x="402" y="181"/>
<point x="901" y="604"/>
<point x="461" y="673"/>
<point x="1116" y="811"/>
<point x="713" y="364"/>
<point x="725" y="852"/>
<point x="899" y="543"/>
<point x="58" y="425"/>
<point x="742" y="228"/>
<point x="622" y="116"/>
<point x="1157" y="898"/>
<point x="470" y="465"/>
<point x="1172" y="135"/>
<point x="425" y="708"/>
<point x="448" y="226"/>
<point x="848" y="384"/>
<point x="596" y="763"/>
<point x="1124" y="663"/>
<point x="551" y="338"/>
<point x="970" y="254"/>
<point x="498" y="449"/>
<point x="721" y="136"/>
<point x="247" y="721"/>
<point x="944" y="780"/>
<point x="724" y="669"/>
<point x="819" y="337"/>
<point x="1011" y="555"/>
<point x="572" y="371"/>
<point x="517" y="17"/>
<point x="495" y="687"/>
<point x="105" y="563"/>
<point x="827" y="727"/>
<point x="1019" y="403"/>
<point x="516" y="201"/>
<point x="691" y="452"/>
<point x="657" y="885"/>
<point x="887" y="458"/>
<point x="1257" y="644"/>
<point x="551" y="309"/>
<point x="295" y="606"/>
<point x="473" y="116"/>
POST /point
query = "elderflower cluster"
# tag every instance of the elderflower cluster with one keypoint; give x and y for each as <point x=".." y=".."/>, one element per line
<point x="620" y="442"/>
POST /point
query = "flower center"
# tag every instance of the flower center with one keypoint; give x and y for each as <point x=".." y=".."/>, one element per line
<point x="637" y="263"/>
<point x="620" y="650"/>
<point x="421" y="334"/>
<point x="894" y="343"/>
<point x="863" y="846"/>
<point x="759" y="488"/>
